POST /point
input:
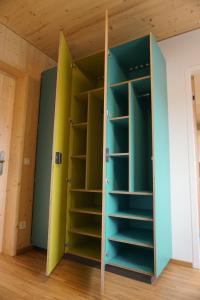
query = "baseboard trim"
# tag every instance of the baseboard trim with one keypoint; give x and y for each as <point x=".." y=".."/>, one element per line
<point x="24" y="250"/>
<point x="181" y="263"/>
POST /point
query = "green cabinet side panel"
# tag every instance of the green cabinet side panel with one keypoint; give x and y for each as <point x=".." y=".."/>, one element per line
<point x="43" y="159"/>
<point x="58" y="193"/>
<point x="161" y="159"/>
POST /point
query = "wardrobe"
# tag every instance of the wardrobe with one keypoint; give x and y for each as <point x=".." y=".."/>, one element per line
<point x="102" y="183"/>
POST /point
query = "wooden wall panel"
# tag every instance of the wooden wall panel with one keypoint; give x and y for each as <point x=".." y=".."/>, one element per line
<point x="19" y="54"/>
<point x="7" y="95"/>
<point x="28" y="167"/>
<point x="25" y="62"/>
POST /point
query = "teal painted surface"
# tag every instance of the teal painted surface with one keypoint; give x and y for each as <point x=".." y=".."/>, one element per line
<point x="135" y="236"/>
<point x="140" y="137"/>
<point x="134" y="258"/>
<point x="134" y="213"/>
<point x="118" y="106"/>
<point x="122" y="61"/>
<point x="129" y="60"/>
<point x="43" y="159"/>
<point x="161" y="160"/>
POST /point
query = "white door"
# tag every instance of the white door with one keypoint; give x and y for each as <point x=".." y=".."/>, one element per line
<point x="7" y="95"/>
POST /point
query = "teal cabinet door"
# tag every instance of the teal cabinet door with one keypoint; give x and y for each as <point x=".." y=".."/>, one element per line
<point x="162" y="209"/>
<point x="43" y="159"/>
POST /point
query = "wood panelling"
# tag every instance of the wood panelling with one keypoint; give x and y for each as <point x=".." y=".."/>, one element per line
<point x="39" y="21"/>
<point x="28" y="164"/>
<point x="21" y="60"/>
<point x="7" y="95"/>
<point x="22" y="277"/>
<point x="17" y="54"/>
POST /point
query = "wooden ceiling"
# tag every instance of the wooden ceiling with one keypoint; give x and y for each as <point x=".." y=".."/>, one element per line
<point x="39" y="21"/>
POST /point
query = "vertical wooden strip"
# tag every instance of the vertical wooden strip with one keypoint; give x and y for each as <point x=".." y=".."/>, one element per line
<point x="104" y="153"/>
<point x="131" y="137"/>
<point x="88" y="143"/>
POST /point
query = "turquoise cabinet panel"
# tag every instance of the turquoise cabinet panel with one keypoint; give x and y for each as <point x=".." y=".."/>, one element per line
<point x="137" y="212"/>
<point x="161" y="159"/>
<point x="43" y="159"/>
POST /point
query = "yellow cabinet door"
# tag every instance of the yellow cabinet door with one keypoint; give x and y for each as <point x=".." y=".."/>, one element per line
<point x="58" y="190"/>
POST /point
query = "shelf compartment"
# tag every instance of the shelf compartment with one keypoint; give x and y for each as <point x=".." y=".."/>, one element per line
<point x="119" y="136"/>
<point x="118" y="101"/>
<point x="79" y="108"/>
<point x="130" y="231"/>
<point x="128" y="206"/>
<point x="131" y="257"/>
<point x="142" y="87"/>
<point x="137" y="237"/>
<point x="140" y="136"/>
<point x="87" y="225"/>
<point x="95" y="141"/>
<point x="79" y="141"/>
<point x="78" y="173"/>
<point x="119" y="173"/>
<point x="129" y="61"/>
<point x="85" y="247"/>
<point x="86" y="202"/>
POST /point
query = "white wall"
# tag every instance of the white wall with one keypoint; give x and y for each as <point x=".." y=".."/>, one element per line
<point x="181" y="53"/>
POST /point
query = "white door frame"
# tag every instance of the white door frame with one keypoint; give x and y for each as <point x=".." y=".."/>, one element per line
<point x="193" y="170"/>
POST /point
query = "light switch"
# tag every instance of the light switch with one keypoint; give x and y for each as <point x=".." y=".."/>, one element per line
<point x="27" y="161"/>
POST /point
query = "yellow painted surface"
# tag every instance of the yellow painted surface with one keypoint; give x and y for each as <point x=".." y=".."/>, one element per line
<point x="58" y="198"/>
<point x="86" y="76"/>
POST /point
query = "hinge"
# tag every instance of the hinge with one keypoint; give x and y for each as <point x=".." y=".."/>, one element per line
<point x="70" y="121"/>
<point x="107" y="154"/>
<point x="107" y="113"/>
<point x="68" y="180"/>
<point x="193" y="97"/>
<point x="107" y="253"/>
<point x="107" y="181"/>
<point x="72" y="65"/>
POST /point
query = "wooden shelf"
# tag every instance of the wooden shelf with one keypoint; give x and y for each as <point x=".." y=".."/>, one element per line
<point x="120" y="120"/>
<point x="92" y="230"/>
<point x="87" y="210"/>
<point x="81" y="156"/>
<point x="82" y="125"/>
<point x="132" y="193"/>
<point x="85" y="191"/>
<point x="134" y="214"/>
<point x="135" y="236"/>
<point x="90" y="250"/>
<point x="132" y="80"/>
<point x="89" y="91"/>
<point x="119" y="155"/>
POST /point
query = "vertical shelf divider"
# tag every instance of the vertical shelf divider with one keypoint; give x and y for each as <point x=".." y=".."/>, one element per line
<point x="87" y="143"/>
